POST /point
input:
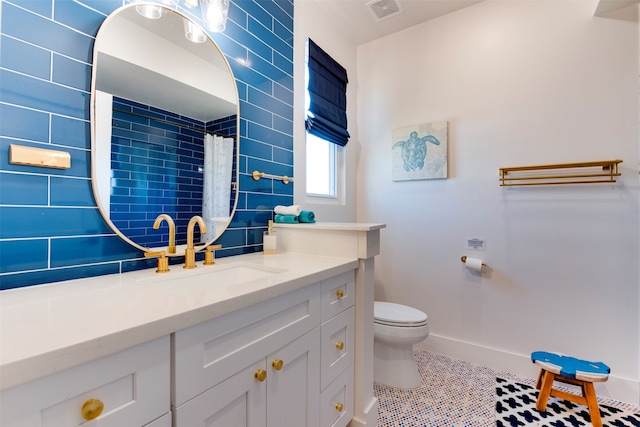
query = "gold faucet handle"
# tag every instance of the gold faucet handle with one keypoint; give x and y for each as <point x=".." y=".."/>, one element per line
<point x="163" y="261"/>
<point x="210" y="254"/>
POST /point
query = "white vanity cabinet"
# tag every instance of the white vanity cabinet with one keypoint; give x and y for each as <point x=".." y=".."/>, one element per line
<point x="132" y="385"/>
<point x="263" y="365"/>
<point x="337" y="351"/>
<point x="184" y="348"/>
<point x="361" y="241"/>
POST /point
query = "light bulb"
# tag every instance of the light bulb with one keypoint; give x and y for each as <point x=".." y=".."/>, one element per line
<point x="214" y="14"/>
<point x="193" y="32"/>
<point x="149" y="11"/>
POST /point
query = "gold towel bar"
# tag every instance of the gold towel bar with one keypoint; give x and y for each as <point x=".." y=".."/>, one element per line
<point x="257" y="175"/>
<point x="604" y="171"/>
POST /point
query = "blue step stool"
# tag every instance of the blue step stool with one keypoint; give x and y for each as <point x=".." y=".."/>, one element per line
<point x="569" y="370"/>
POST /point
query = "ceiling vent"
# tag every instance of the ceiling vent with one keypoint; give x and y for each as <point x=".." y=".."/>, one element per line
<point x="384" y="9"/>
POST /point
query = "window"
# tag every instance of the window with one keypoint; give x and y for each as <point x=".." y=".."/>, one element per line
<point x="326" y="121"/>
<point x="321" y="167"/>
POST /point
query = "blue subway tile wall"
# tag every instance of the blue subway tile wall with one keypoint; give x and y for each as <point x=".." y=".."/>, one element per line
<point x="50" y="226"/>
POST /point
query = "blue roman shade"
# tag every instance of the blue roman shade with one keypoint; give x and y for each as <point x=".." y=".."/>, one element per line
<point x="327" y="113"/>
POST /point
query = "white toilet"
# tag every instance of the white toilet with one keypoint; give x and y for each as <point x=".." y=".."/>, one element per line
<point x="396" y="329"/>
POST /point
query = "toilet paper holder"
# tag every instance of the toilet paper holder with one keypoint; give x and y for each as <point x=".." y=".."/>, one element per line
<point x="463" y="258"/>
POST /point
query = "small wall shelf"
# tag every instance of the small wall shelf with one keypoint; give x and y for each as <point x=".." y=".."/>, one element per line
<point x="603" y="171"/>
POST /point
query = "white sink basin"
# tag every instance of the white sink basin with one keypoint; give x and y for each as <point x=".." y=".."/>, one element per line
<point x="207" y="277"/>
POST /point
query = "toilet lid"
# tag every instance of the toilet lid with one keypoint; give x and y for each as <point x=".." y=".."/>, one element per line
<point x="389" y="313"/>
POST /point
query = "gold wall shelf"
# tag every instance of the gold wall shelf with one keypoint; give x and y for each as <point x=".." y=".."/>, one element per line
<point x="41" y="157"/>
<point x="257" y="175"/>
<point x="603" y="171"/>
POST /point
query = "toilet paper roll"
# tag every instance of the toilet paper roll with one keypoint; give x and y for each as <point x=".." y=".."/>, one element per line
<point x="473" y="264"/>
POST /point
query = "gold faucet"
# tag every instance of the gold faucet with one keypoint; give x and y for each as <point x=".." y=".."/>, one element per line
<point x="190" y="252"/>
<point x="171" y="249"/>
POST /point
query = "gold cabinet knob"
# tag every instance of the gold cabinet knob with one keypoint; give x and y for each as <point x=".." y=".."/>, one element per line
<point x="340" y="345"/>
<point x="340" y="293"/>
<point x="260" y="375"/>
<point x="339" y="407"/>
<point x="91" y="409"/>
<point x="277" y="364"/>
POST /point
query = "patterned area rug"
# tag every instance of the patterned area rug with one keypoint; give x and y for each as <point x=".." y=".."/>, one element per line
<point x="516" y="406"/>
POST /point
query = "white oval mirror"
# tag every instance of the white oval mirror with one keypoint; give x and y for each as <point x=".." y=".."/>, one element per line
<point x="164" y="115"/>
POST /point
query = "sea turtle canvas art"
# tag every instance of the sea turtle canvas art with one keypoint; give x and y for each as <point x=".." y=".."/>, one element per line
<point x="419" y="152"/>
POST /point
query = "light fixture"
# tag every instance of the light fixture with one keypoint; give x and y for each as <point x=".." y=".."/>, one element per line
<point x="149" y="11"/>
<point x="193" y="32"/>
<point x="214" y="14"/>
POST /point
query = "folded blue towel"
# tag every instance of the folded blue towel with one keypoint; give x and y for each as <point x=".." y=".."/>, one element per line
<point x="307" y="216"/>
<point x="286" y="219"/>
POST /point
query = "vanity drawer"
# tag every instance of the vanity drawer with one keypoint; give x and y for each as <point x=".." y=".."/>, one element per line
<point x="338" y="294"/>
<point x="209" y="353"/>
<point x="133" y="386"/>
<point x="336" y="401"/>
<point x="336" y="346"/>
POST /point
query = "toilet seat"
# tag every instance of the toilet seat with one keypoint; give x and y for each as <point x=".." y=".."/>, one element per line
<point x="398" y="315"/>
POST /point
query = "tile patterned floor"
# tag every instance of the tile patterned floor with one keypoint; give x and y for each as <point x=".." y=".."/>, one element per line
<point x="459" y="394"/>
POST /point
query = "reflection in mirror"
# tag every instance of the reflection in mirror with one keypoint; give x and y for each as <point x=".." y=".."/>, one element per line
<point x="164" y="121"/>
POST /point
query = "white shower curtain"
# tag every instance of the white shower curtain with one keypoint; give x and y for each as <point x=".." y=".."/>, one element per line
<point x="216" y="188"/>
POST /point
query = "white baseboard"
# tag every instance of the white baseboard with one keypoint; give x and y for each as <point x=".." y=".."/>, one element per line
<point x="618" y="388"/>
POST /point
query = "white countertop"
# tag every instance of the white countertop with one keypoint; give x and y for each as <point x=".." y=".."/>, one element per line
<point x="341" y="226"/>
<point x="48" y="328"/>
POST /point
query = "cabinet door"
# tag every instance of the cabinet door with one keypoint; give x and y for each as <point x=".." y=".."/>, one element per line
<point x="293" y="383"/>
<point x="133" y="385"/>
<point x="239" y="401"/>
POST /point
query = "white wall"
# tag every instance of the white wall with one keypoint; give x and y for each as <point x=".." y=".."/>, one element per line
<point x="521" y="83"/>
<point x="311" y="22"/>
